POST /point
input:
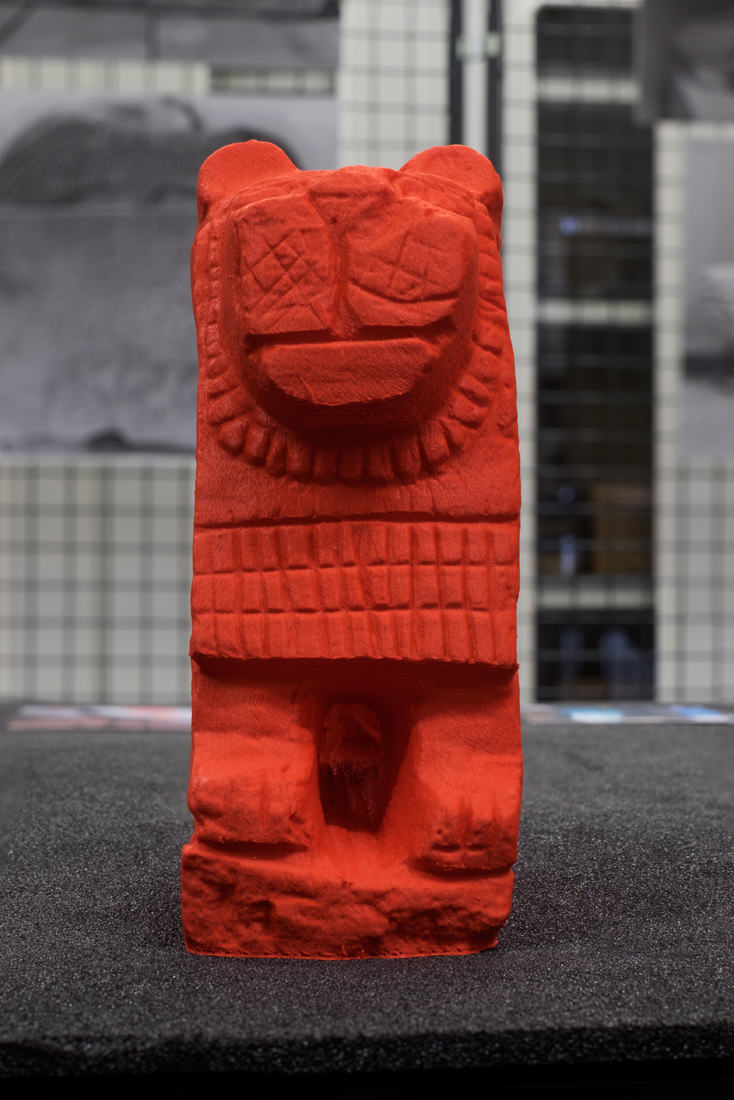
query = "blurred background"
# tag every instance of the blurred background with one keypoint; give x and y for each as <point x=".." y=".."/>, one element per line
<point x="612" y="125"/>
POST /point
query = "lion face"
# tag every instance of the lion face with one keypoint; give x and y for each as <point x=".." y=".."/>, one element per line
<point x="352" y="299"/>
<point x="347" y="307"/>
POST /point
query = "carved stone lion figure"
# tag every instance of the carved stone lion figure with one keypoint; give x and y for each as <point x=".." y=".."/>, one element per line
<point x="356" y="766"/>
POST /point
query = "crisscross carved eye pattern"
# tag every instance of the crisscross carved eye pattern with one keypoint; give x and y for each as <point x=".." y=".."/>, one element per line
<point x="286" y="270"/>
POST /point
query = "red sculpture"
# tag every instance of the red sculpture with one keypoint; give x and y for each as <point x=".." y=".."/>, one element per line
<point x="356" y="767"/>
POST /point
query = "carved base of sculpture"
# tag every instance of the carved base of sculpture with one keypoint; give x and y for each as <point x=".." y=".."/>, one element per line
<point x="351" y="809"/>
<point x="356" y="767"/>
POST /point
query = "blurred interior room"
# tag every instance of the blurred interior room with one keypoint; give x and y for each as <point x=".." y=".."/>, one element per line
<point x="611" y="123"/>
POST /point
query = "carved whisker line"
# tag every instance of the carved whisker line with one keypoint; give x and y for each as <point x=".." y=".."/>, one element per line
<point x="371" y="610"/>
<point x="439" y="581"/>
<point x="282" y="571"/>
<point x="489" y="573"/>
<point x="412" y="555"/>
<point x="238" y="561"/>
<point x="468" y="615"/>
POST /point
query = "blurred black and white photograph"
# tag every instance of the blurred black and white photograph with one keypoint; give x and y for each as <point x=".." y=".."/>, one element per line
<point x="707" y="395"/>
<point x="97" y="198"/>
<point x="686" y="60"/>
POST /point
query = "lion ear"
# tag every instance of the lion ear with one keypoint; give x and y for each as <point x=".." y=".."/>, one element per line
<point x="233" y="167"/>
<point x="465" y="166"/>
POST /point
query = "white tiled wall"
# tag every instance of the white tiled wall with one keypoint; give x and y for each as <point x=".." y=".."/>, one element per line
<point x="115" y="76"/>
<point x="393" y="80"/>
<point x="694" y="501"/>
<point x="95" y="551"/>
<point x="694" y="574"/>
<point x="108" y="75"/>
<point x="95" y="571"/>
<point x="518" y="259"/>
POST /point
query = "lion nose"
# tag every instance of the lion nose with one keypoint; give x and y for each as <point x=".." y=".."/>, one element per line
<point x="347" y="195"/>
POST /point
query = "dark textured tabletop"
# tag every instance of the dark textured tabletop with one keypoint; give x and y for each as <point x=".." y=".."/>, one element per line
<point x="618" y="950"/>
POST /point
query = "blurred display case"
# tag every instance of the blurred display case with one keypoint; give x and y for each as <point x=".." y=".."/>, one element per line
<point x="594" y="616"/>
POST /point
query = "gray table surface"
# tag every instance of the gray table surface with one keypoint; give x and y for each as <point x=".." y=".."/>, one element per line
<point x="619" y="946"/>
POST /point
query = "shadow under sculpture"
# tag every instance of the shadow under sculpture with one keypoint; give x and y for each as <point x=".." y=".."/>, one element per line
<point x="356" y="767"/>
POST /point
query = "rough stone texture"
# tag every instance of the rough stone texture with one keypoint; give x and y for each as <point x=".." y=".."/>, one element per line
<point x="356" y="767"/>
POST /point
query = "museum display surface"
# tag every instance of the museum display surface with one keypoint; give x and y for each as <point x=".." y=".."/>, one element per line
<point x="356" y="766"/>
<point x="613" y="966"/>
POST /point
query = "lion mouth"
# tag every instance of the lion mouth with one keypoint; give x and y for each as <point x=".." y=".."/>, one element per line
<point x="325" y="370"/>
<point x="355" y="372"/>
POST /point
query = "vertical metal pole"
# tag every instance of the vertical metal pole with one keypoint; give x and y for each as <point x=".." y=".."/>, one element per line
<point x="474" y="57"/>
<point x="456" y="79"/>
<point x="494" y="84"/>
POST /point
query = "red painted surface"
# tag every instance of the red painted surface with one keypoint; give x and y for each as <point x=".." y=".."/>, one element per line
<point x="356" y="766"/>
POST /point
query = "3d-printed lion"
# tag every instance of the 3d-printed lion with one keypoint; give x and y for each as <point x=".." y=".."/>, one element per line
<point x="356" y="769"/>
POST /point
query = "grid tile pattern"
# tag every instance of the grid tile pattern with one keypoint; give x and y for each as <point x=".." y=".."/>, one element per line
<point x="95" y="572"/>
<point x="577" y="284"/>
<point x="694" y="518"/>
<point x="113" y="76"/>
<point x="519" y="173"/>
<point x="393" y="79"/>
